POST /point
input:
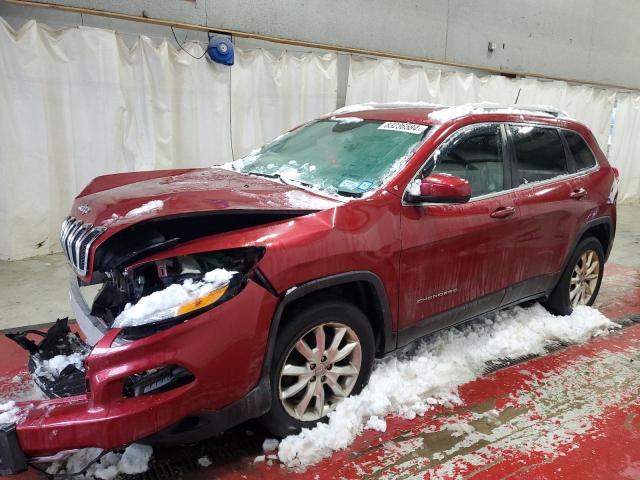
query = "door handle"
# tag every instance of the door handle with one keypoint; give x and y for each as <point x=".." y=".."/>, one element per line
<point x="503" y="212"/>
<point x="578" y="194"/>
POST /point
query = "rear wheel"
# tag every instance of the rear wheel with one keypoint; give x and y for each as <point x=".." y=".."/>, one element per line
<point x="580" y="281"/>
<point x="323" y="355"/>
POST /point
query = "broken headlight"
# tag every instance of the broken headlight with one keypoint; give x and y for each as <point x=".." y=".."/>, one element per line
<point x="162" y="293"/>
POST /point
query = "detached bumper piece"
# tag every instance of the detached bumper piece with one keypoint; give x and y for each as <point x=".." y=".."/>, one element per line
<point x="12" y="459"/>
<point x="58" y="340"/>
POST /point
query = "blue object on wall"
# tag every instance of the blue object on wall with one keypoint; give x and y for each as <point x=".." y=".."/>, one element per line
<point x="220" y="49"/>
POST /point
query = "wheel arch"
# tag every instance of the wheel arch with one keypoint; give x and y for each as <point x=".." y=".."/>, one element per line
<point x="363" y="288"/>
<point x="602" y="228"/>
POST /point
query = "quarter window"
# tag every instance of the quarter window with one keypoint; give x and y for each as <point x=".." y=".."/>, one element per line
<point x="477" y="157"/>
<point x="539" y="153"/>
<point x="582" y="156"/>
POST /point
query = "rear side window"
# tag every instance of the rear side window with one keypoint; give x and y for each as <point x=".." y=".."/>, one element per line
<point x="539" y="153"/>
<point x="580" y="151"/>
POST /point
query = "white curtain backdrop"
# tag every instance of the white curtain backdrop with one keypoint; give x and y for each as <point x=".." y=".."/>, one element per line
<point x="625" y="147"/>
<point x="77" y="103"/>
<point x="270" y="95"/>
<point x="390" y="81"/>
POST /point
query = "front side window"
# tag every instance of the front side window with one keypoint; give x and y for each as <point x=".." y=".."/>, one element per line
<point x="582" y="156"/>
<point x="475" y="155"/>
<point x="347" y="156"/>
<point x="539" y="153"/>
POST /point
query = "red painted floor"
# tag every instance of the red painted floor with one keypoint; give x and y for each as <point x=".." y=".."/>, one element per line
<point x="573" y="414"/>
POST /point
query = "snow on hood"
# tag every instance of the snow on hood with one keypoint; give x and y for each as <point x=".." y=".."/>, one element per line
<point x="434" y="372"/>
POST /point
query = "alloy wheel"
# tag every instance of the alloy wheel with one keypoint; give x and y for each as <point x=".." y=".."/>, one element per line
<point x="584" y="278"/>
<point x="320" y="369"/>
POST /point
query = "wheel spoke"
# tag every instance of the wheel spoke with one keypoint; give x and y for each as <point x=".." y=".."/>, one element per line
<point x="332" y="351"/>
<point x="345" y="351"/>
<point x="575" y="281"/>
<point x="574" y="292"/>
<point x="320" y="339"/>
<point x="332" y="382"/>
<point x="347" y="370"/>
<point x="301" y="408"/>
<point x="305" y="350"/>
<point x="295" y="371"/>
<point x="595" y="266"/>
<point x="319" y="394"/>
<point x="295" y="388"/>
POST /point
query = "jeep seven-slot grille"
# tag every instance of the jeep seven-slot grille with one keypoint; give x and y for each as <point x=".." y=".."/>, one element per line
<point x="76" y="238"/>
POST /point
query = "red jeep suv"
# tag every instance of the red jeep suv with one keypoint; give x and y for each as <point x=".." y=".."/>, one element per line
<point x="266" y="287"/>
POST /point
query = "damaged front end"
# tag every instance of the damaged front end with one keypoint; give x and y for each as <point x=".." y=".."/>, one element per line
<point x="169" y="339"/>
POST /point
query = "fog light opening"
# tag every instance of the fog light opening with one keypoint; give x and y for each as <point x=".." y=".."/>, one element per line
<point x="157" y="380"/>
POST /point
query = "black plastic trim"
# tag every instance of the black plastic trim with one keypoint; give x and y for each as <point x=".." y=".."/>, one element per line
<point x="12" y="458"/>
<point x="389" y="341"/>
<point x="605" y="220"/>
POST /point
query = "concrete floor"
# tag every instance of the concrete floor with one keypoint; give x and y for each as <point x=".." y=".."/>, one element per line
<point x="34" y="291"/>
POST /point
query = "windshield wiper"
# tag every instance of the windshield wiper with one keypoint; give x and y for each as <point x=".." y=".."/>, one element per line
<point x="268" y="175"/>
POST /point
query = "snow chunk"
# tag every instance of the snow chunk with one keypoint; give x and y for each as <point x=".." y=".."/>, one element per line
<point x="9" y="413"/>
<point x="134" y="460"/>
<point x="346" y="120"/>
<point x="165" y="303"/>
<point x="302" y="199"/>
<point x="205" y="462"/>
<point x="53" y="367"/>
<point x="410" y="385"/>
<point x="151" y="206"/>
<point x="270" y="445"/>
<point x="376" y="423"/>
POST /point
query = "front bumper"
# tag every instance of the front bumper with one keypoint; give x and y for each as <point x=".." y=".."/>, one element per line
<point x="224" y="349"/>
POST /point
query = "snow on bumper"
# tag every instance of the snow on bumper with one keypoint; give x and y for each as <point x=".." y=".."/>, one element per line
<point x="223" y="348"/>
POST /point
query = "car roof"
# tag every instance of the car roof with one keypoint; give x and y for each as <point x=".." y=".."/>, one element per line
<point x="430" y="114"/>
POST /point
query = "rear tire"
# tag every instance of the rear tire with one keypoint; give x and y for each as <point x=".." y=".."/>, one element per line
<point x="581" y="279"/>
<point x="307" y="381"/>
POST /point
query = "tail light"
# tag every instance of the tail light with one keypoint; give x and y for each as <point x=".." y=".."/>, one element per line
<point x="616" y="173"/>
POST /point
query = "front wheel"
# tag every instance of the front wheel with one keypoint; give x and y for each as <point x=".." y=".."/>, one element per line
<point x="324" y="354"/>
<point x="580" y="281"/>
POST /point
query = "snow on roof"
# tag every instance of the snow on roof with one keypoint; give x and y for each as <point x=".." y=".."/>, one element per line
<point x="441" y="113"/>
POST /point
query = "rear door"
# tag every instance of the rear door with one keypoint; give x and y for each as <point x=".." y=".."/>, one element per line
<point x="457" y="259"/>
<point x="543" y="173"/>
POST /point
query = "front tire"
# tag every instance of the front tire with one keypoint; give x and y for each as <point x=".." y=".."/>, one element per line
<point x="581" y="279"/>
<point x="322" y="355"/>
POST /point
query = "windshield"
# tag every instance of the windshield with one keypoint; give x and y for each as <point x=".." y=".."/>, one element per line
<point x="347" y="156"/>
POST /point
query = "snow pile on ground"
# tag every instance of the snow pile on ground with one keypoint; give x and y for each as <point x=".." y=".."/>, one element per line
<point x="134" y="460"/>
<point x="165" y="303"/>
<point x="53" y="367"/>
<point x="9" y="413"/>
<point x="410" y="385"/>
<point x="151" y="206"/>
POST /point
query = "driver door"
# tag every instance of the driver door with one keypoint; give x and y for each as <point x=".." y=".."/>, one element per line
<point x="458" y="259"/>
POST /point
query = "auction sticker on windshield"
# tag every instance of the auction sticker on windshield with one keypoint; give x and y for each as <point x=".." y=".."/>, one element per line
<point x="403" y="127"/>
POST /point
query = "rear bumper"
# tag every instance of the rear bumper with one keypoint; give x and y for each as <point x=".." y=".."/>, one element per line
<point x="224" y="349"/>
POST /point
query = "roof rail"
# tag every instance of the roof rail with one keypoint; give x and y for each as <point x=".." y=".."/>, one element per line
<point x="545" y="109"/>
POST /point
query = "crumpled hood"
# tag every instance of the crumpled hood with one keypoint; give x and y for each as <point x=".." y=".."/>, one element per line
<point x="117" y="201"/>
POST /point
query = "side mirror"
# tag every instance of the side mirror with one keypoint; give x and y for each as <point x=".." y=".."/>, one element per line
<point x="440" y="188"/>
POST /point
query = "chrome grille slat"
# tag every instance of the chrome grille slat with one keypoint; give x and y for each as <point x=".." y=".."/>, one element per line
<point x="76" y="239"/>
